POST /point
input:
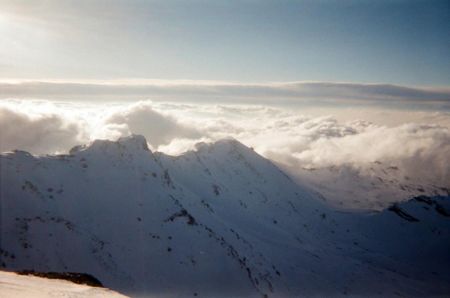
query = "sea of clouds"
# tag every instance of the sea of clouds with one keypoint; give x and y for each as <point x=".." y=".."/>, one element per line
<point x="296" y="139"/>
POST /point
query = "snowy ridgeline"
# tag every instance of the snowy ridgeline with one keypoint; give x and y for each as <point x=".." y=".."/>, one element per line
<point x="218" y="221"/>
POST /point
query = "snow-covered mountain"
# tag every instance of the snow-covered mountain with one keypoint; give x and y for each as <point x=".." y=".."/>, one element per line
<point x="217" y="221"/>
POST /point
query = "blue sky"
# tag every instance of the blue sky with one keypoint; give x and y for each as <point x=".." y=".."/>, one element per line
<point x="396" y="42"/>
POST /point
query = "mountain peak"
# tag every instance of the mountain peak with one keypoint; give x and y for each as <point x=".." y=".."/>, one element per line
<point x="133" y="143"/>
<point x="227" y="144"/>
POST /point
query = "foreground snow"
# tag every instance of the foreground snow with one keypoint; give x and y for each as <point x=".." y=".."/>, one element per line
<point x="218" y="221"/>
<point x="13" y="285"/>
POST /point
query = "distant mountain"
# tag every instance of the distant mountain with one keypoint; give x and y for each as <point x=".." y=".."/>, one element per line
<point x="219" y="221"/>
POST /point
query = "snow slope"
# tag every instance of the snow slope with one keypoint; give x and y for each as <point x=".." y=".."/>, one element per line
<point x="13" y="285"/>
<point x="373" y="188"/>
<point x="219" y="221"/>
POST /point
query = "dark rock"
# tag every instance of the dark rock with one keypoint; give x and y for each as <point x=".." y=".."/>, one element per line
<point x="78" y="278"/>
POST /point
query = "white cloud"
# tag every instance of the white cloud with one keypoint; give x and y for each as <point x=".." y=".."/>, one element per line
<point x="141" y="118"/>
<point x="420" y="151"/>
<point x="36" y="131"/>
<point x="44" y="127"/>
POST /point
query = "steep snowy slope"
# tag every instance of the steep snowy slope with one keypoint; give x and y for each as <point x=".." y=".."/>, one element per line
<point x="13" y="285"/>
<point x="218" y="221"/>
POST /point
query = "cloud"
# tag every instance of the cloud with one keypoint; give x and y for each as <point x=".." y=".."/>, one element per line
<point x="228" y="92"/>
<point x="43" y="127"/>
<point x="421" y="150"/>
<point x="38" y="132"/>
<point x="140" y="118"/>
<point x="319" y="149"/>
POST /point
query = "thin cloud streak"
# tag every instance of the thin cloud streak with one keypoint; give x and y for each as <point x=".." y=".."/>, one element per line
<point x="226" y="91"/>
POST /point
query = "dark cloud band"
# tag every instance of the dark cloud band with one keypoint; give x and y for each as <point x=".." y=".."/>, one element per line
<point x="227" y="92"/>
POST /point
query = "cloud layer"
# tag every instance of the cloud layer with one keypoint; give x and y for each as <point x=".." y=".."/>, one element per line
<point x="420" y="150"/>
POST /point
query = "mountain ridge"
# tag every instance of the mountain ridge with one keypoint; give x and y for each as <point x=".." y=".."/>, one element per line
<point x="220" y="220"/>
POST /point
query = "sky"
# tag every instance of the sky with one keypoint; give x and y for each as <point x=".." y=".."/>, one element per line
<point x="395" y="41"/>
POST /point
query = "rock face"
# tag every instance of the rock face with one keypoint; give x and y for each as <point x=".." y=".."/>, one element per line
<point x="75" y="277"/>
<point x="217" y="221"/>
